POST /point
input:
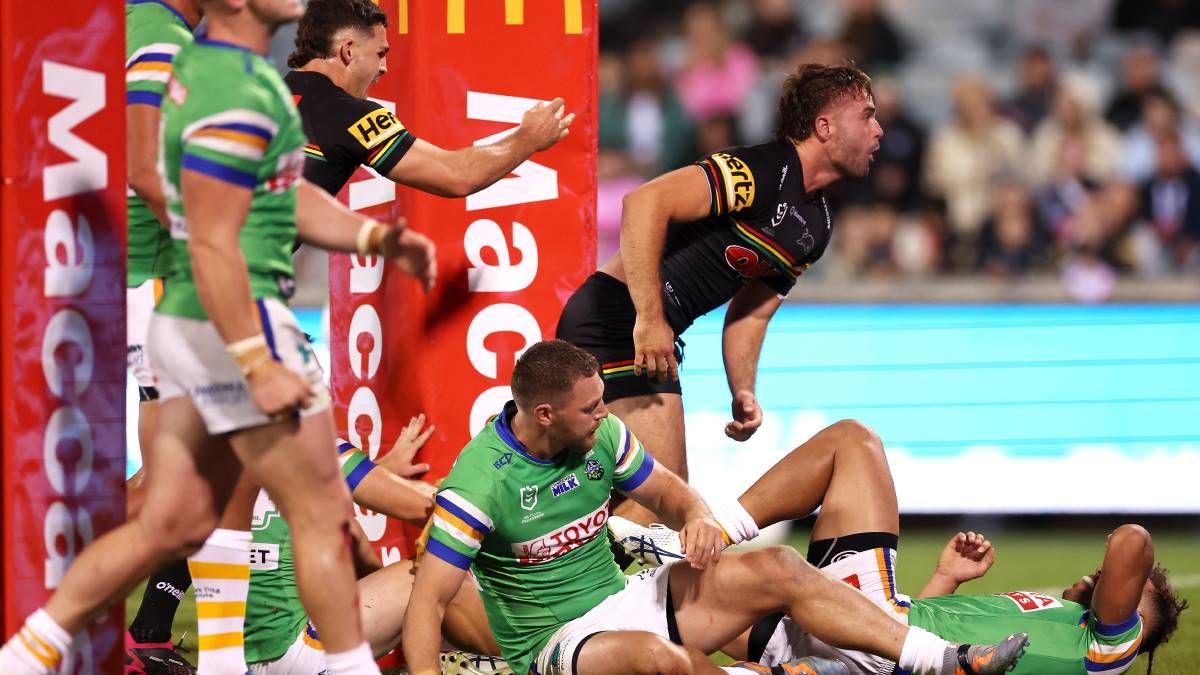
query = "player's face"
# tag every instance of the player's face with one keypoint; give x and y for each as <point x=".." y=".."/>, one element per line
<point x="370" y="60"/>
<point x="578" y="418"/>
<point x="854" y="136"/>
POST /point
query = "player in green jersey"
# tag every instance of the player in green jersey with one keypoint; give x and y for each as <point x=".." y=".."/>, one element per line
<point x="155" y="30"/>
<point x="239" y="383"/>
<point x="1100" y="624"/>
<point x="525" y="507"/>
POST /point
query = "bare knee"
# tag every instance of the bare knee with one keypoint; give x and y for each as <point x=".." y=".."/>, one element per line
<point x="852" y="433"/>
<point x="663" y="657"/>
<point x="176" y="533"/>
<point x="781" y="569"/>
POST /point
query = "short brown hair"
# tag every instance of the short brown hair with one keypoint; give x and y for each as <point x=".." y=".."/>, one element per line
<point x="323" y="19"/>
<point x="811" y="89"/>
<point x="548" y="370"/>
<point x="1167" y="607"/>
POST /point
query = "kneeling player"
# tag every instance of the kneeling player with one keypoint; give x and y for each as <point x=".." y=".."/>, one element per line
<point x="525" y="505"/>
<point x="1101" y="624"/>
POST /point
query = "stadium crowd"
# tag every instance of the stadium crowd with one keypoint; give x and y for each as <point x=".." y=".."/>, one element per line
<point x="1006" y="153"/>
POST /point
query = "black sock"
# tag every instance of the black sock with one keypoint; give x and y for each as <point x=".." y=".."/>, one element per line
<point x="624" y="560"/>
<point x="164" y="590"/>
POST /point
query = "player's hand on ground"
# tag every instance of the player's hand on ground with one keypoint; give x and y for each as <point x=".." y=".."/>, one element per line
<point x="967" y="556"/>
<point x="278" y="391"/>
<point x="747" y="416"/>
<point x="654" y="349"/>
<point x="702" y="541"/>
<point x="412" y="437"/>
<point x="545" y="124"/>
<point x="412" y="253"/>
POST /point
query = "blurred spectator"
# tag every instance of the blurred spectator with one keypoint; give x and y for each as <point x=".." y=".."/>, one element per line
<point x="1011" y="244"/>
<point x="716" y="133"/>
<point x="1161" y="118"/>
<point x="639" y="112"/>
<point x="965" y="160"/>
<point x="894" y="174"/>
<point x="1076" y="120"/>
<point x="1067" y="190"/>
<point x="1163" y="18"/>
<point x="874" y="41"/>
<point x="917" y="244"/>
<point x="1036" y="88"/>
<point x="1171" y="203"/>
<point x="718" y="72"/>
<point x="775" y="29"/>
<point x="1139" y="77"/>
<point x="864" y="243"/>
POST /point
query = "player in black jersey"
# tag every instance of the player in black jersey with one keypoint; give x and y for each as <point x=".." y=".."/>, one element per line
<point x="739" y="226"/>
<point x="341" y="49"/>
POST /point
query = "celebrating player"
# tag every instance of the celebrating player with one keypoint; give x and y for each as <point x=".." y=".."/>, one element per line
<point x="739" y="226"/>
<point x="341" y="49"/>
<point x="525" y="507"/>
<point x="236" y="376"/>
<point x="1100" y="625"/>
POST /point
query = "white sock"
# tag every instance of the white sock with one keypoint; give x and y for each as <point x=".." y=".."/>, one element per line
<point x="734" y="519"/>
<point x="354" y="662"/>
<point x="221" y="576"/>
<point x="37" y="648"/>
<point x="922" y="652"/>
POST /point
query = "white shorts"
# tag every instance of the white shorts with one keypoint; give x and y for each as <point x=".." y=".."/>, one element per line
<point x="873" y="572"/>
<point x="139" y="307"/>
<point x="642" y="606"/>
<point x="306" y="656"/>
<point x="191" y="361"/>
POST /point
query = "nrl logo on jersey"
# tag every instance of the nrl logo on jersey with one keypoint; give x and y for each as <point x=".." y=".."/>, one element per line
<point x="529" y="497"/>
<point x="593" y="470"/>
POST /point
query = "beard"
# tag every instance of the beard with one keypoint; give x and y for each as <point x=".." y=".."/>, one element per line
<point x="849" y="165"/>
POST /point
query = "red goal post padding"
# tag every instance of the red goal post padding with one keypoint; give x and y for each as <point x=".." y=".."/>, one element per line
<point x="62" y="302"/>
<point x="462" y="72"/>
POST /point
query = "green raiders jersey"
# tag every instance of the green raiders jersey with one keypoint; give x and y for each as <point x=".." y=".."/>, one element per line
<point x="274" y="615"/>
<point x="154" y="34"/>
<point x="228" y="115"/>
<point x="535" y="529"/>
<point x="1064" y="639"/>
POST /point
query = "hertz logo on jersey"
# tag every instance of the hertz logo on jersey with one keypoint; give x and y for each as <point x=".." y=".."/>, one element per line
<point x="738" y="180"/>
<point x="375" y="127"/>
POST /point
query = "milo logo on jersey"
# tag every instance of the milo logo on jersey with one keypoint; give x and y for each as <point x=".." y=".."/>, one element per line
<point x="1029" y="601"/>
<point x="563" y="540"/>
<point x="375" y="127"/>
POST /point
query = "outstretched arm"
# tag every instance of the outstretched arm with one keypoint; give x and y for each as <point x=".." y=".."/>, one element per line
<point x="458" y="173"/>
<point x="966" y="556"/>
<point x="746" y="321"/>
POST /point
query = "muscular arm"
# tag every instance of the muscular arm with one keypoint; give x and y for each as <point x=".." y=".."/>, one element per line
<point x="323" y="221"/>
<point x="141" y="148"/>
<point x="1128" y="559"/>
<point x="215" y="211"/>
<point x="436" y="583"/>
<point x="682" y="508"/>
<point x="385" y="492"/>
<point x="746" y="321"/>
<point x="458" y="173"/>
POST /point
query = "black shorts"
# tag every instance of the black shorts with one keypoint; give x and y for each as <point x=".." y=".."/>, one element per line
<point x="598" y="318"/>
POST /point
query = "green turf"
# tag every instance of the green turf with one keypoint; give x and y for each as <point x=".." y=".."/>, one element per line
<point x="1024" y="561"/>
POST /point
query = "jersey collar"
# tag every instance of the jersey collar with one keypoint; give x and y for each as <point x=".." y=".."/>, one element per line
<point x="167" y="7"/>
<point x="504" y="430"/>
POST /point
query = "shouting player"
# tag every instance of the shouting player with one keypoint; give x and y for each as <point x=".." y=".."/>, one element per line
<point x="341" y="50"/>
<point x="739" y="226"/>
<point x="525" y="507"/>
<point x="1100" y="625"/>
<point x="237" y="378"/>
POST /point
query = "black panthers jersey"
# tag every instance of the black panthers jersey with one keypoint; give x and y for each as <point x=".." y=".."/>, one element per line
<point x="762" y="226"/>
<point x="344" y="132"/>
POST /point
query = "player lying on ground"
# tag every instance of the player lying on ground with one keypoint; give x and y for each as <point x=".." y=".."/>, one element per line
<point x="525" y="508"/>
<point x="280" y="640"/>
<point x="1101" y="624"/>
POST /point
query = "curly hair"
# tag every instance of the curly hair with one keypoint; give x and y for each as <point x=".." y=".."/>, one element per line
<point x="548" y="371"/>
<point x="323" y="19"/>
<point x="810" y="90"/>
<point x="1167" y="607"/>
